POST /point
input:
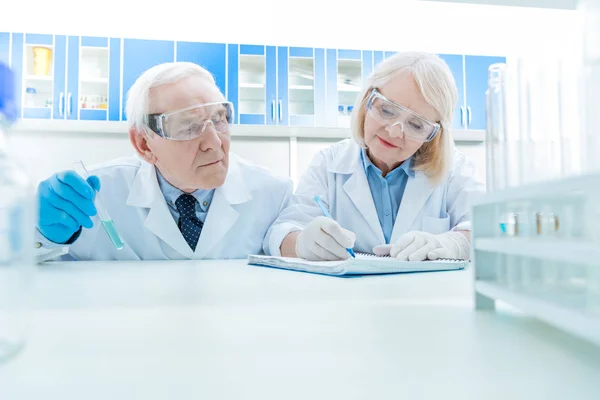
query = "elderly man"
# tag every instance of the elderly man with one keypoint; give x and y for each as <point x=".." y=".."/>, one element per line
<point x="183" y="197"/>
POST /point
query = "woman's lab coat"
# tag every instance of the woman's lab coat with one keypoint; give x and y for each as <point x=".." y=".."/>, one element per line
<point x="241" y="212"/>
<point x="337" y="175"/>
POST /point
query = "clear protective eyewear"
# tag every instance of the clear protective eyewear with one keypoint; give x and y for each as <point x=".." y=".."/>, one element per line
<point x="400" y="119"/>
<point x="191" y="122"/>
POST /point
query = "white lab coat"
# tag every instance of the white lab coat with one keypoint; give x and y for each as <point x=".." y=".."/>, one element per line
<point x="238" y="218"/>
<point x="337" y="175"/>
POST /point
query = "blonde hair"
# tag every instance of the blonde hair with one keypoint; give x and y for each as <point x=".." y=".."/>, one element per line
<point x="436" y="83"/>
<point x="138" y="96"/>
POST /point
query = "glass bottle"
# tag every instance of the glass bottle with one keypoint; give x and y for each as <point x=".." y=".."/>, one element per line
<point x="16" y="233"/>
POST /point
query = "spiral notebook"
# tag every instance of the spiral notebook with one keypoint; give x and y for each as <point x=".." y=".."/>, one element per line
<point x="363" y="264"/>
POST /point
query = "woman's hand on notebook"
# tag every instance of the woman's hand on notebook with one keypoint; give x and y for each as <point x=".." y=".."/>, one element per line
<point x="324" y="240"/>
<point x="419" y="246"/>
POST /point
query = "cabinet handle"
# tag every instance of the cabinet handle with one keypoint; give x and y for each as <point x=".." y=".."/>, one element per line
<point x="69" y="104"/>
<point x="273" y="110"/>
<point x="469" y="116"/>
<point x="462" y="116"/>
<point x="61" y="104"/>
<point x="279" y="111"/>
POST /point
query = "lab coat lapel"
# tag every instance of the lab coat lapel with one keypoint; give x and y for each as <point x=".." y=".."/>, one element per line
<point x="146" y="193"/>
<point x="418" y="189"/>
<point x="357" y="187"/>
<point x="222" y="215"/>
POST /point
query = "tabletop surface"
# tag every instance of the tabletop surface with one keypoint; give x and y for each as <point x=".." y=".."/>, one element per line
<point x="226" y="330"/>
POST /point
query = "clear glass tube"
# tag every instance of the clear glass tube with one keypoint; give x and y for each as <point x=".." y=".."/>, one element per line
<point x="496" y="128"/>
<point x="107" y="222"/>
<point x="590" y="12"/>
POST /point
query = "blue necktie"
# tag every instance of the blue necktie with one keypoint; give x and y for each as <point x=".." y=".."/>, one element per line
<point x="189" y="225"/>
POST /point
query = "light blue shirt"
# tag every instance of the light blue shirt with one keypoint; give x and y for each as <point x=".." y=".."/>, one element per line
<point x="171" y="194"/>
<point x="386" y="191"/>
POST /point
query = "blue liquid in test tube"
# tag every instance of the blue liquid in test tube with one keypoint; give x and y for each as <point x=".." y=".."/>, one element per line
<point x="107" y="222"/>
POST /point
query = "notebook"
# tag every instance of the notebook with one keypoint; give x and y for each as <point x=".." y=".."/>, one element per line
<point x="363" y="264"/>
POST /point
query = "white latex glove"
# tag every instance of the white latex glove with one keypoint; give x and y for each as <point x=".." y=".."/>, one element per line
<point x="324" y="240"/>
<point x="419" y="246"/>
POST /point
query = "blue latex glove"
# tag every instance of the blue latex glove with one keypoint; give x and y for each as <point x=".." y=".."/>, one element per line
<point x="66" y="203"/>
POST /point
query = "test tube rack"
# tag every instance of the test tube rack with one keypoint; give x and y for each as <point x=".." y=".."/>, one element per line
<point x="547" y="264"/>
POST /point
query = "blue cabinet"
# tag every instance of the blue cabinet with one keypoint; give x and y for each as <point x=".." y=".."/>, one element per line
<point x="456" y="65"/>
<point x="140" y="55"/>
<point x="476" y="71"/>
<point x="88" y="78"/>
<point x="272" y="85"/>
<point x="67" y="77"/>
<point x="5" y="47"/>
<point x="211" y="56"/>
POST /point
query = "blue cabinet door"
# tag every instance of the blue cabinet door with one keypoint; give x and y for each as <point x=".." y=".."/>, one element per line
<point x="140" y="55"/>
<point x="233" y="89"/>
<point x="456" y="65"/>
<point x="476" y="72"/>
<point x="271" y="86"/>
<point x="5" y="47"/>
<point x="72" y="101"/>
<point x="60" y="77"/>
<point x="377" y="57"/>
<point x="211" y="56"/>
<point x="283" y="86"/>
<point x="16" y="63"/>
<point x="320" y="91"/>
<point x="367" y="65"/>
<point x="114" y="80"/>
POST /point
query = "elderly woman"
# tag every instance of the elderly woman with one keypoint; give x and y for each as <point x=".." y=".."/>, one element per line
<point x="399" y="187"/>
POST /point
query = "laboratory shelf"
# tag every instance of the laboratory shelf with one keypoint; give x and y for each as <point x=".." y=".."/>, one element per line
<point x="576" y="322"/>
<point x="557" y="187"/>
<point x="550" y="249"/>
<point x="558" y="251"/>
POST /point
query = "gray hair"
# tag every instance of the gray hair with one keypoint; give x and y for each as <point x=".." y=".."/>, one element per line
<point x="163" y="74"/>
<point x="437" y="85"/>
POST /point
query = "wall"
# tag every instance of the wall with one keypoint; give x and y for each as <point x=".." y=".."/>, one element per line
<point x="377" y="24"/>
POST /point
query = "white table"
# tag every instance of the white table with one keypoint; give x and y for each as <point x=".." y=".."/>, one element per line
<point x="225" y="330"/>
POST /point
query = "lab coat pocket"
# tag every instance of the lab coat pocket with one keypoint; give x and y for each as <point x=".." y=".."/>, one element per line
<point x="436" y="225"/>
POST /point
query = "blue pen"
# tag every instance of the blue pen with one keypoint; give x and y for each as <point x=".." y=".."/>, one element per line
<point x="326" y="213"/>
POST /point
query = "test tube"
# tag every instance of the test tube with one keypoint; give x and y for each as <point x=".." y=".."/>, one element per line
<point x="107" y="222"/>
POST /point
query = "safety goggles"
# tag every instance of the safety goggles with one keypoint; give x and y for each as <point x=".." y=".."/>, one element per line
<point x="189" y="123"/>
<point x="399" y="119"/>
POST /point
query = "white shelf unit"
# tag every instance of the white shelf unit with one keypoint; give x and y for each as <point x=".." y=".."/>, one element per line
<point x="43" y="84"/>
<point x="93" y="78"/>
<point x="548" y="263"/>
<point x="252" y="73"/>
<point x="301" y="86"/>
<point x="348" y="87"/>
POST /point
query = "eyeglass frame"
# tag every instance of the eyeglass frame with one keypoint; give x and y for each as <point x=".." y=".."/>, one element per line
<point x="155" y="121"/>
<point x="376" y="94"/>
